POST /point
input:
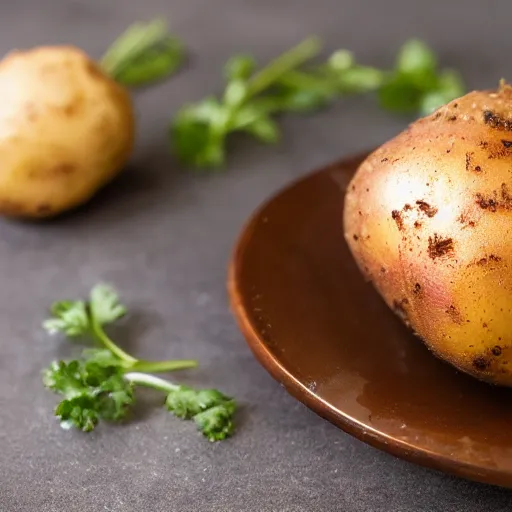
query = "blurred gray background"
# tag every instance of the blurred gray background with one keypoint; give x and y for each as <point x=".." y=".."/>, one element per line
<point x="163" y="237"/>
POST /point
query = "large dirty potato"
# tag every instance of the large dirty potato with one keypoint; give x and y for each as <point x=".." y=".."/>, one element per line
<point x="66" y="129"/>
<point x="428" y="218"/>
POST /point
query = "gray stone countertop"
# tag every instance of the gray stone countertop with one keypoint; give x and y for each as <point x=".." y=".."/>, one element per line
<point x="163" y="237"/>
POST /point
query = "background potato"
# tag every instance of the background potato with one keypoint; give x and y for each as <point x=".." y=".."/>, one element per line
<point x="65" y="130"/>
<point x="428" y="218"/>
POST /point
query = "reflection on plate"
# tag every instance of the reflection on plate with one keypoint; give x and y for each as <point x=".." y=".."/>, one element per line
<point x="318" y="328"/>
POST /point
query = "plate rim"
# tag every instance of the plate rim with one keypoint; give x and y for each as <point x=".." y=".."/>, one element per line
<point x="369" y="435"/>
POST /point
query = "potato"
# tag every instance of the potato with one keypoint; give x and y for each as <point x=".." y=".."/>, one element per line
<point x="66" y="129"/>
<point x="428" y="218"/>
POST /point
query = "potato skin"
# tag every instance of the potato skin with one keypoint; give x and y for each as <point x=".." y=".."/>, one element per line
<point x="428" y="218"/>
<point x="66" y="129"/>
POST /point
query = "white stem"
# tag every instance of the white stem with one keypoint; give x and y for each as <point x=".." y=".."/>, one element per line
<point x="150" y="381"/>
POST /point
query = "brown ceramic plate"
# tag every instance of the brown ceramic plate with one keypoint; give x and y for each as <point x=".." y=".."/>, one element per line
<point x="318" y="328"/>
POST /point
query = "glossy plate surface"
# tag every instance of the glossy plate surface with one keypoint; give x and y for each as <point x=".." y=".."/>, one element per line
<point x="318" y="328"/>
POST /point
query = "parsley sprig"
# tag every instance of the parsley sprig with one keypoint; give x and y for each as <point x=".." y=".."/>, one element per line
<point x="100" y="384"/>
<point x="199" y="131"/>
<point x="251" y="98"/>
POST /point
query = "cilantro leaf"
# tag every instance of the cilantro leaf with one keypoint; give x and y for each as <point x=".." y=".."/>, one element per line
<point x="416" y="57"/>
<point x="239" y="67"/>
<point x="400" y="95"/>
<point x="216" y="422"/>
<point x="415" y="85"/>
<point x="186" y="402"/>
<point x="143" y="54"/>
<point x="199" y="132"/>
<point x="360" y="80"/>
<point x="211" y="410"/>
<point x="65" y="378"/>
<point x="104" y="304"/>
<point x="69" y="317"/>
<point x="152" y="65"/>
<point x="115" y="395"/>
<point x="264" y="129"/>
<point x="91" y="392"/>
<point x="79" y="412"/>
<point x="99" y="386"/>
<point x="102" y="357"/>
<point x="449" y="87"/>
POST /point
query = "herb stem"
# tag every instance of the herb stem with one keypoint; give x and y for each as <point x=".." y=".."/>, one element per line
<point x="163" y="366"/>
<point x="135" y="39"/>
<point x="286" y="62"/>
<point x="145" y="53"/>
<point x="150" y="381"/>
<point x="101" y="335"/>
<point x="134" y="363"/>
<point x="309" y="82"/>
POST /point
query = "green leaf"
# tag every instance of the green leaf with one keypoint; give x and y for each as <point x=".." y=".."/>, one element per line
<point x="303" y="101"/>
<point x="415" y="57"/>
<point x="65" y="378"/>
<point x="185" y="402"/>
<point x="104" y="304"/>
<point x="115" y="395"/>
<point x="320" y="82"/>
<point x="197" y="135"/>
<point x="252" y="96"/>
<point x="236" y="93"/>
<point x="206" y="111"/>
<point x="431" y="102"/>
<point x="91" y="390"/>
<point x="216" y="422"/>
<point x="96" y="374"/>
<point x="153" y="65"/>
<point x="239" y="67"/>
<point x="288" y="61"/>
<point x="100" y="385"/>
<point x="70" y="378"/>
<point x="102" y="357"/>
<point x="211" y="410"/>
<point x="416" y="85"/>
<point x="70" y="318"/>
<point x="250" y="112"/>
<point x="264" y="129"/>
<point x="451" y="85"/>
<point x="195" y="145"/>
<point x="341" y="60"/>
<point x="360" y="80"/>
<point x="79" y="412"/>
<point x="143" y="54"/>
<point x="399" y="95"/>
